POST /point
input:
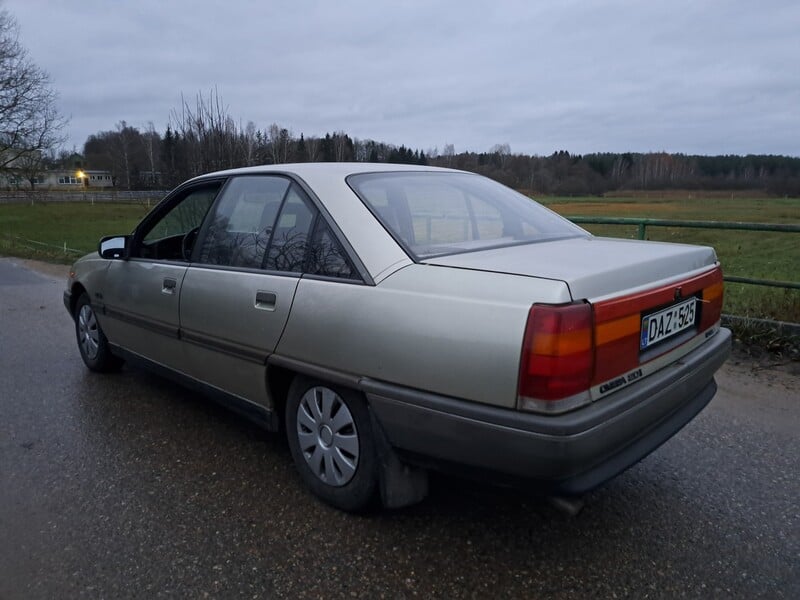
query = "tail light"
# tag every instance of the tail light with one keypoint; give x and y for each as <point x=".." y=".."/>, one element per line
<point x="570" y="349"/>
<point x="557" y="357"/>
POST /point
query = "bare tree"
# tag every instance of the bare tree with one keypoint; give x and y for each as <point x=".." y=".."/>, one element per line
<point x="152" y="142"/>
<point x="279" y="144"/>
<point x="31" y="165"/>
<point x="29" y="121"/>
<point x="124" y="149"/>
<point x="342" y="146"/>
<point x="250" y="144"/>
<point x="312" y="148"/>
<point x="502" y="151"/>
<point x="360" y="150"/>
<point x="448" y="153"/>
<point x="210" y="138"/>
<point x="126" y="152"/>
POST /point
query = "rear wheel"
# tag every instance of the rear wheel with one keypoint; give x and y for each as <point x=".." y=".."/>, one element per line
<point x="331" y="441"/>
<point x="92" y="342"/>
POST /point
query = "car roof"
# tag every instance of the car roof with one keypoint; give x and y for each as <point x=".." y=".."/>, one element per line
<point x="330" y="169"/>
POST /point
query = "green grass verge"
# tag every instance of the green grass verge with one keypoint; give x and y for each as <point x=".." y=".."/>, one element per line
<point x="79" y="226"/>
<point x="41" y="231"/>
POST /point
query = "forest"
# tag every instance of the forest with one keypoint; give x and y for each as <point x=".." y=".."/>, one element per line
<point x="202" y="137"/>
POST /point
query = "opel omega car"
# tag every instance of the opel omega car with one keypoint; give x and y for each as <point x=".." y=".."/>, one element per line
<point x="397" y="319"/>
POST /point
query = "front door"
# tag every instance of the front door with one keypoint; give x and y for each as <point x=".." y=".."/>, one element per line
<point x="141" y="295"/>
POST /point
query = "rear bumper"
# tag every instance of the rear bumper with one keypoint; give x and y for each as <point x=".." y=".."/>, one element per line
<point x="569" y="453"/>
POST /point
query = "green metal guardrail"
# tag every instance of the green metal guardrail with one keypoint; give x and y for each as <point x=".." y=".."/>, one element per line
<point x="642" y="229"/>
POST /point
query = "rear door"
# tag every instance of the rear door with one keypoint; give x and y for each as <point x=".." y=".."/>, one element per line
<point x="238" y="291"/>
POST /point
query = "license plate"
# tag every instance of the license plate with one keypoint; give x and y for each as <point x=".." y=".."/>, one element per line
<point x="665" y="323"/>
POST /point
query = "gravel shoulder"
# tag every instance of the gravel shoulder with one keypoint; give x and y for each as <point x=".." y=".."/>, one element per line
<point x="41" y="267"/>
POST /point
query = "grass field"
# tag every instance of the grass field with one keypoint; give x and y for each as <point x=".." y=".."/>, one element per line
<point x="24" y="228"/>
<point x="748" y="254"/>
<point x="762" y="255"/>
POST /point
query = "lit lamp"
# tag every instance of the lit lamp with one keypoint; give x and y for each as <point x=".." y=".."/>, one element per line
<point x="84" y="179"/>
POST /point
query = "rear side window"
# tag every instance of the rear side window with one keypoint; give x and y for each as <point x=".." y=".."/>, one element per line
<point x="290" y="236"/>
<point x="267" y="222"/>
<point x="242" y="222"/>
<point x="326" y="256"/>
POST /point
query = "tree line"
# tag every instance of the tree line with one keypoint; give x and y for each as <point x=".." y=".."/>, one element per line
<point x="568" y="174"/>
<point x="202" y="137"/>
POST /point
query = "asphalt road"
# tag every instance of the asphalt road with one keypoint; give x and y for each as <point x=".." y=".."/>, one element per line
<point x="128" y="486"/>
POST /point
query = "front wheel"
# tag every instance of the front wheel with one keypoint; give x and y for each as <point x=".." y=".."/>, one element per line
<point x="92" y="342"/>
<point x="332" y="445"/>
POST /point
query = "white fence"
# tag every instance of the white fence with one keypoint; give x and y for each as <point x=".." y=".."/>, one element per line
<point x="37" y="245"/>
<point x="148" y="197"/>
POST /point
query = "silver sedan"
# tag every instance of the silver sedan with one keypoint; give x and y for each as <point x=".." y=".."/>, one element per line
<point x="396" y="319"/>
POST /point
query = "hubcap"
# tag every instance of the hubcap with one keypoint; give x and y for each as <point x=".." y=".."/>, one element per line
<point x="88" y="332"/>
<point x="325" y="436"/>
<point x="328" y="436"/>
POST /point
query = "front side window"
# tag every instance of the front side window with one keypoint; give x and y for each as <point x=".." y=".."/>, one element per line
<point x="433" y="214"/>
<point x="243" y="219"/>
<point x="188" y="214"/>
<point x="165" y="237"/>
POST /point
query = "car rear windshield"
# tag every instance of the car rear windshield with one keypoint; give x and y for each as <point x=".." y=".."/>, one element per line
<point x="434" y="214"/>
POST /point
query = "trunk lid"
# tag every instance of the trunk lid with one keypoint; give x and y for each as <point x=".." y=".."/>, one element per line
<point x="592" y="267"/>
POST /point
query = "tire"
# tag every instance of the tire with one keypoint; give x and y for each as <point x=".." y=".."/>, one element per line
<point x="331" y="440"/>
<point x="92" y="342"/>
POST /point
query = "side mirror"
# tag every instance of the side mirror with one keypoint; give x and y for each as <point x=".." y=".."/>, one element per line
<point x="114" y="246"/>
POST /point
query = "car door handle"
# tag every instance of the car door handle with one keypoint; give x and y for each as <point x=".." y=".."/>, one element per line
<point x="169" y="285"/>
<point x="266" y="300"/>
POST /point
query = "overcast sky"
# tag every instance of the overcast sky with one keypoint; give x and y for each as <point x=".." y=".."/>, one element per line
<point x="699" y="77"/>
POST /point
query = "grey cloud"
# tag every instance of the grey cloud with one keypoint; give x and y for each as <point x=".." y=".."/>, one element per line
<point x="697" y="77"/>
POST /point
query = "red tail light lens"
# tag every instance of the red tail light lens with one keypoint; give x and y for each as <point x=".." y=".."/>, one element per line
<point x="557" y="352"/>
